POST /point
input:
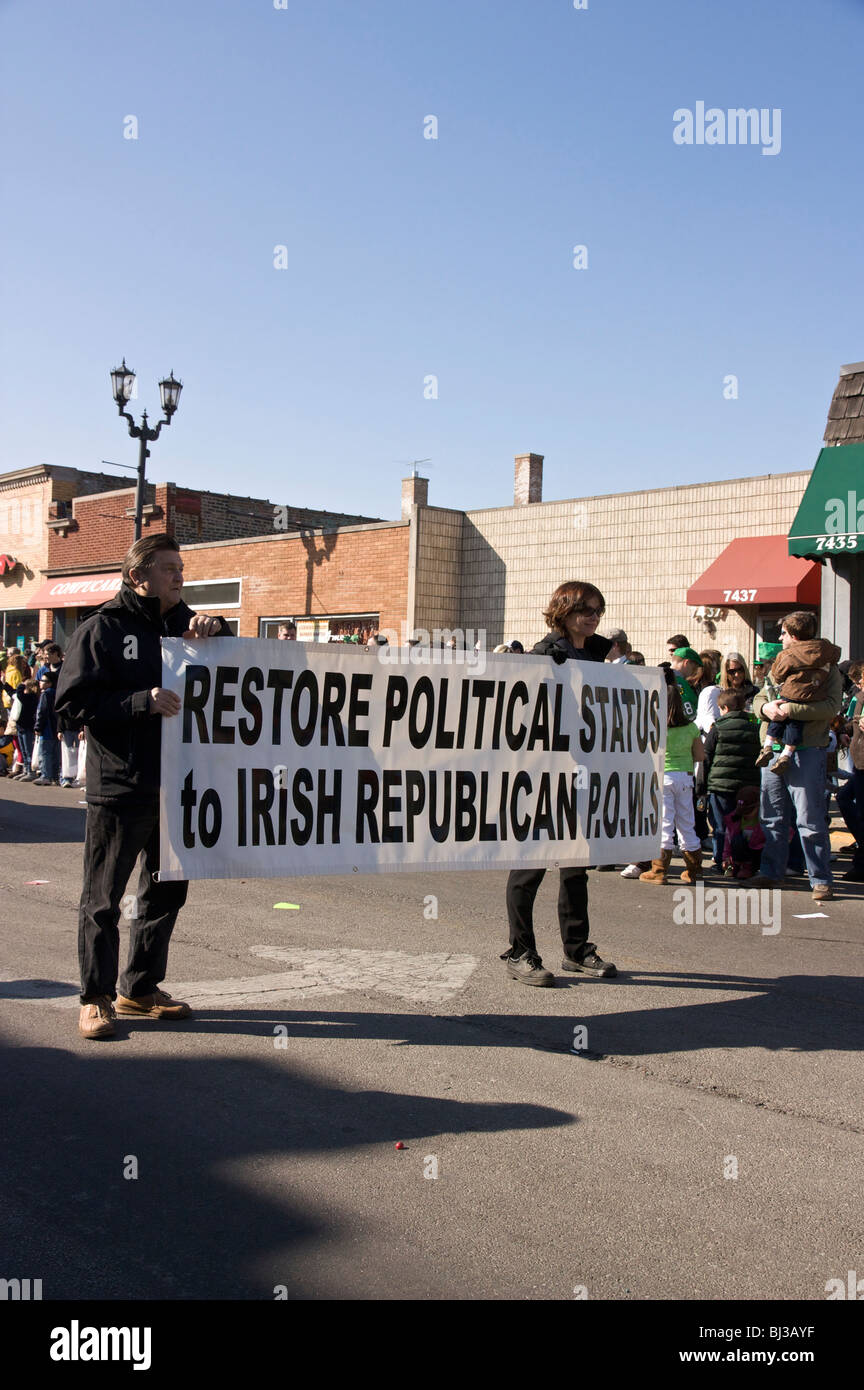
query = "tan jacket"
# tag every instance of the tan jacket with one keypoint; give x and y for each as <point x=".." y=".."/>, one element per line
<point x="816" y="716"/>
<point x="798" y="673"/>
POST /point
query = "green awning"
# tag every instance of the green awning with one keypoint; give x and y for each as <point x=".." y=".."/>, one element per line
<point x="830" y="518"/>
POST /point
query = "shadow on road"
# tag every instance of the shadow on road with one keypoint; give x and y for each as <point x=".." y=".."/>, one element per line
<point x="184" y="1229"/>
<point x="795" y="1012"/>
<point x="28" y="823"/>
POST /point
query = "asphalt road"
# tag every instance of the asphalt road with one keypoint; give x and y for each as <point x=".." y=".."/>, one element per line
<point x="705" y="1142"/>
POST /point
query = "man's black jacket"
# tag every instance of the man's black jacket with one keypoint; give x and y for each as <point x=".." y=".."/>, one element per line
<point x="112" y="662"/>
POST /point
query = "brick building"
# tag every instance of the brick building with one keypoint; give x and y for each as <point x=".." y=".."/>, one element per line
<point x="331" y="581"/>
<point x="435" y="568"/>
<point x="68" y="531"/>
<point x="29" y="498"/>
<point x="651" y="553"/>
<point x="709" y="559"/>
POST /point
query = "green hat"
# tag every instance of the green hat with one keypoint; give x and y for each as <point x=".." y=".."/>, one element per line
<point x="766" y="650"/>
<point x="688" y="654"/>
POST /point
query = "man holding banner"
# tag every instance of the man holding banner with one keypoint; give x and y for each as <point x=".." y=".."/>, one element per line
<point x="574" y="611"/>
<point x="111" y="681"/>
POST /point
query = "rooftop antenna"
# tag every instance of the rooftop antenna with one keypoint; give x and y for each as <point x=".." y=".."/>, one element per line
<point x="414" y="464"/>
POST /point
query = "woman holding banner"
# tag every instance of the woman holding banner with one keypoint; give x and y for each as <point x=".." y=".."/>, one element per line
<point x="574" y="611"/>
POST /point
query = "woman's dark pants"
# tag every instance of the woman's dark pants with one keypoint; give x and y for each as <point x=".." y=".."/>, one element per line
<point x="522" y="887"/>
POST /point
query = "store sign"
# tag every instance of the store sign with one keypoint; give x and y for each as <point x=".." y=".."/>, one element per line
<point x="830" y="519"/>
<point x="329" y="760"/>
<point x="76" y="591"/>
<point x="83" y="588"/>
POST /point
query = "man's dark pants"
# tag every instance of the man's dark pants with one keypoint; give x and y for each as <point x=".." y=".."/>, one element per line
<point x="850" y="799"/>
<point x="522" y="887"/>
<point x="115" y="837"/>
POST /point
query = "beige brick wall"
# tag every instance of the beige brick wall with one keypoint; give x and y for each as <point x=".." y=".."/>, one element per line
<point x="643" y="550"/>
<point x="438" y="574"/>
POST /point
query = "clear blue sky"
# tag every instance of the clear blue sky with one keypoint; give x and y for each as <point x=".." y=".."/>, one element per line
<point x="303" y="127"/>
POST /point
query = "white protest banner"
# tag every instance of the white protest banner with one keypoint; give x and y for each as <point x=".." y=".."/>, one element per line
<point x="290" y="759"/>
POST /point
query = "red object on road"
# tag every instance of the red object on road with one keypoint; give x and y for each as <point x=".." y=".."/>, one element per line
<point x="399" y="1144"/>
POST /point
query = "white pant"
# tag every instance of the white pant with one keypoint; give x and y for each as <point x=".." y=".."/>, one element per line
<point x="678" y="812"/>
<point x="69" y="747"/>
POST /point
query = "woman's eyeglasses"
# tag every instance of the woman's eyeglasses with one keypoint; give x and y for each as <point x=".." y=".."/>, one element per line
<point x="735" y="670"/>
<point x="590" y="610"/>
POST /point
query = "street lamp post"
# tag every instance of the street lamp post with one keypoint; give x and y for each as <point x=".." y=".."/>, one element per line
<point x="123" y="384"/>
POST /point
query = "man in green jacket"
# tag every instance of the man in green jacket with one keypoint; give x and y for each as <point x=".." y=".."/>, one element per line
<point x="802" y="789"/>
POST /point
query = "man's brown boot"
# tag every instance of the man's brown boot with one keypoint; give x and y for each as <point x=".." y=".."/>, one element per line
<point x="155" y="1005"/>
<point x="96" y="1019"/>
<point x="659" y="867"/>
<point x="693" y="866"/>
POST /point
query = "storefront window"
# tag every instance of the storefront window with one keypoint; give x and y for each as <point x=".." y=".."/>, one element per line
<point x="269" y="627"/>
<point x="15" y="623"/>
<point x="212" y="595"/>
<point x="331" y="628"/>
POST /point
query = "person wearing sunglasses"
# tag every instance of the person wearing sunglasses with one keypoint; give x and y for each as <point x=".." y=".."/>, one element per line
<point x="573" y="615"/>
<point x="735" y="676"/>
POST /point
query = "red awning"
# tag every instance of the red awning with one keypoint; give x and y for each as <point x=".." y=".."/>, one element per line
<point x="757" y="570"/>
<point x="76" y="591"/>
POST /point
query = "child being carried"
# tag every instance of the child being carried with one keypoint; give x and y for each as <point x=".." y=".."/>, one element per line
<point x="800" y="675"/>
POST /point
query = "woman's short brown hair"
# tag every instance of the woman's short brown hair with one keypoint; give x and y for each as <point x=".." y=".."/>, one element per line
<point x="571" y="598"/>
<point x="856" y="671"/>
<point x="801" y="625"/>
<point x="140" y="555"/>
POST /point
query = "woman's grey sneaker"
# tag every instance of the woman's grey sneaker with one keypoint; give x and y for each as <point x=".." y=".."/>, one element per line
<point x="591" y="964"/>
<point x="528" y="970"/>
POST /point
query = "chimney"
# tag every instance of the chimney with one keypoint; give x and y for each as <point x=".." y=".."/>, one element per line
<point x="529" y="479"/>
<point x="845" y="420"/>
<point x="415" y="493"/>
